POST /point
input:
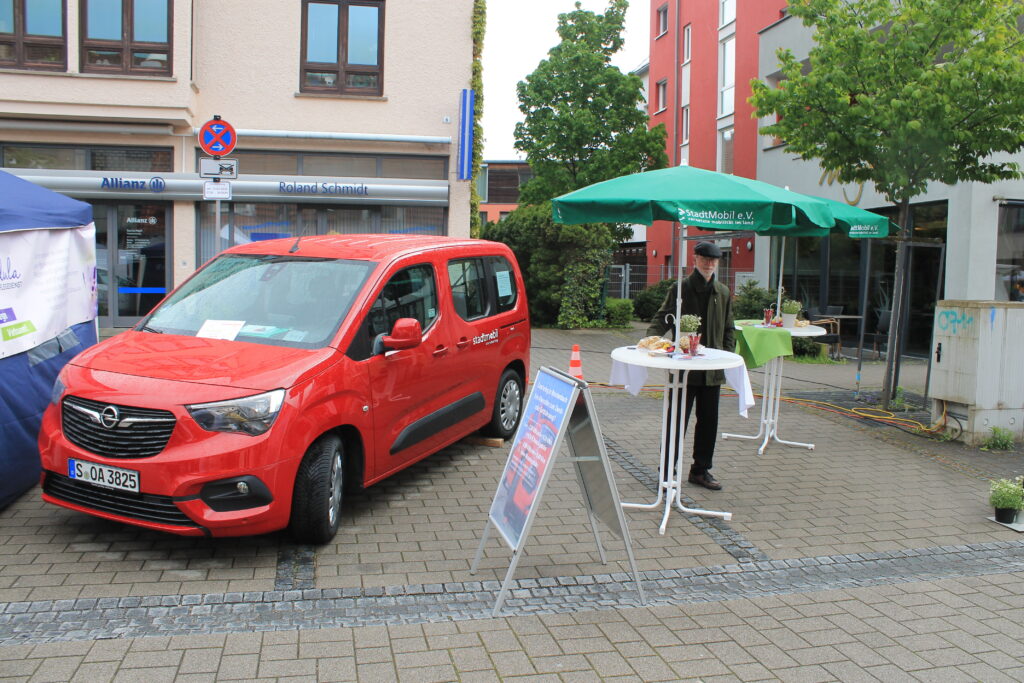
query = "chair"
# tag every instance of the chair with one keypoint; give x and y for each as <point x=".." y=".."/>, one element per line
<point x="833" y="310"/>
<point x="831" y="336"/>
<point x="881" y="334"/>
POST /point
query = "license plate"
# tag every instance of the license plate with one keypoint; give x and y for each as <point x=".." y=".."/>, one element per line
<point x="103" y="475"/>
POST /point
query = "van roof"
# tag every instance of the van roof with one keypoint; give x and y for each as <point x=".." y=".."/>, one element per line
<point x="368" y="247"/>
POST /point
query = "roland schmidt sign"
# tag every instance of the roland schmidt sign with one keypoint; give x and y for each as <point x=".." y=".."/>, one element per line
<point x="330" y="189"/>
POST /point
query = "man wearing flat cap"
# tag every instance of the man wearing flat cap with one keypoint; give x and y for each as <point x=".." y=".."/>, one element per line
<point x="705" y="296"/>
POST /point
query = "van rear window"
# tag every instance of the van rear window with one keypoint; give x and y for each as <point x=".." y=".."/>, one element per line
<point x="275" y="300"/>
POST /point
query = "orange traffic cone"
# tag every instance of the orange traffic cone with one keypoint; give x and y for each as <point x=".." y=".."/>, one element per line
<point x="575" y="365"/>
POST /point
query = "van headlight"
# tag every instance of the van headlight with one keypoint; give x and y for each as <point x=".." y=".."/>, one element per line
<point x="252" y="415"/>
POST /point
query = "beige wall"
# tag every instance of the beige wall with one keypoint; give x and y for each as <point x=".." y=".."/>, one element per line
<point x="246" y="69"/>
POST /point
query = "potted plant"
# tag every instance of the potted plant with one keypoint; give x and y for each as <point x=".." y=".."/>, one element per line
<point x="1007" y="497"/>
<point x="790" y="308"/>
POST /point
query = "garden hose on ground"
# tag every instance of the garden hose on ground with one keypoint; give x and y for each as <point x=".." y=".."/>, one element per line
<point x="874" y="414"/>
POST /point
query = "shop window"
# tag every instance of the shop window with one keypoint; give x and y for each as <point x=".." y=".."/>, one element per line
<point x="345" y="166"/>
<point x="403" y="167"/>
<point x="1010" y="254"/>
<point x="342" y="46"/>
<point x="141" y="159"/>
<point x="32" y="35"/>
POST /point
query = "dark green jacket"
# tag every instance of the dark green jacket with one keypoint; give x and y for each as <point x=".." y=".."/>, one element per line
<point x="717" y="328"/>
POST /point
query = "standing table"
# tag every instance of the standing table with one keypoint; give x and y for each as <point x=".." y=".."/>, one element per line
<point x="679" y="367"/>
<point x="764" y="341"/>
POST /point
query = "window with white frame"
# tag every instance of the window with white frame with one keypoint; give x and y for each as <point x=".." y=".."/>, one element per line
<point x="687" y="32"/>
<point x="684" y="127"/>
<point x="661" y="95"/>
<point x="662" y="20"/>
<point x="728" y="12"/>
<point x="726" y="76"/>
<point x="725" y="148"/>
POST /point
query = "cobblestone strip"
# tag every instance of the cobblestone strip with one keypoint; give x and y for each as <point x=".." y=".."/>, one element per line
<point x="296" y="568"/>
<point x="169" y="615"/>
<point x="718" y="530"/>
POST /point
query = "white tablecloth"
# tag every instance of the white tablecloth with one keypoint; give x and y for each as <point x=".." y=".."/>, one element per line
<point x="632" y="373"/>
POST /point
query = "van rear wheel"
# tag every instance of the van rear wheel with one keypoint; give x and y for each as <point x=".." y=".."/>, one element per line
<point x="508" y="405"/>
<point x="319" y="483"/>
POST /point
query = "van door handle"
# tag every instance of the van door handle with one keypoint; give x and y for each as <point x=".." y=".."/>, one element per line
<point x="462" y="343"/>
<point x="440" y="351"/>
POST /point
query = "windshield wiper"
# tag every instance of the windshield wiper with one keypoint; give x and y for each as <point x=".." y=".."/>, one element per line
<point x="147" y="328"/>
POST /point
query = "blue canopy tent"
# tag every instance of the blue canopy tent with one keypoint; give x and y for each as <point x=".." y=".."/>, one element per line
<point x="47" y="314"/>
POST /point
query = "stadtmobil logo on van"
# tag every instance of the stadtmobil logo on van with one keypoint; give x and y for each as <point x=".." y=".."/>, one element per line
<point x="283" y="375"/>
<point x="487" y="338"/>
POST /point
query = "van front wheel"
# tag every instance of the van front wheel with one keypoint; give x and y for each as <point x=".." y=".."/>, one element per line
<point x="316" y="502"/>
<point x="508" y="405"/>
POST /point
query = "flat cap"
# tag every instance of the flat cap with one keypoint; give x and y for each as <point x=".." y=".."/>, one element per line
<point x="708" y="249"/>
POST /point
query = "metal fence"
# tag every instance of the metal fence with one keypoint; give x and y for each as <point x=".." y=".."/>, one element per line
<point x="625" y="281"/>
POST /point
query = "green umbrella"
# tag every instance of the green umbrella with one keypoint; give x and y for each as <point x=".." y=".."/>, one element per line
<point x="698" y="197"/>
<point x="856" y="222"/>
<point x="694" y="196"/>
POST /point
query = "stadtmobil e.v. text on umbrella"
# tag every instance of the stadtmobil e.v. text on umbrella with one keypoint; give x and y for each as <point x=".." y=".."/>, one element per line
<point x="694" y="196"/>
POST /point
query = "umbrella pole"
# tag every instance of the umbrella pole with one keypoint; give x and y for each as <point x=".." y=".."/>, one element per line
<point x="865" y="274"/>
<point x="679" y="285"/>
<point x="782" y="259"/>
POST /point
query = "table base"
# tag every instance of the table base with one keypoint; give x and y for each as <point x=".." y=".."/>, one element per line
<point x="669" y="487"/>
<point x="769" y="426"/>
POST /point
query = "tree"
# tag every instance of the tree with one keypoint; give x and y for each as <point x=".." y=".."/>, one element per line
<point x="563" y="265"/>
<point x="583" y="124"/>
<point x="902" y="93"/>
<point x="583" y="121"/>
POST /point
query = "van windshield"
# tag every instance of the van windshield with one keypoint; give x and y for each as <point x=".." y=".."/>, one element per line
<point x="264" y="299"/>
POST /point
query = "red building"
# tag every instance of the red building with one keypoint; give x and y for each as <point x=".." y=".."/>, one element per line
<point x="703" y="55"/>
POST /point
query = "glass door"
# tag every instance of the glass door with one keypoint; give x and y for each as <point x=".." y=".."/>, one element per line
<point x="131" y="245"/>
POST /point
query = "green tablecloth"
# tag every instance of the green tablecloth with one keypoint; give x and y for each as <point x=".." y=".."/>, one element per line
<point x="758" y="345"/>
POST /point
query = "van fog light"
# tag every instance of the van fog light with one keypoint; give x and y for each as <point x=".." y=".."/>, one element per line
<point x="236" y="493"/>
<point x="252" y="415"/>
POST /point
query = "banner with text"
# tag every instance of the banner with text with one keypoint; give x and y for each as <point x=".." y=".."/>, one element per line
<point x="47" y="284"/>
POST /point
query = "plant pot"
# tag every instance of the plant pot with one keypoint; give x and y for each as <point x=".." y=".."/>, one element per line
<point x="789" y="319"/>
<point x="1006" y="515"/>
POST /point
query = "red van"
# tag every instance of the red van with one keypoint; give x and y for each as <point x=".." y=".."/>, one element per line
<point x="283" y="373"/>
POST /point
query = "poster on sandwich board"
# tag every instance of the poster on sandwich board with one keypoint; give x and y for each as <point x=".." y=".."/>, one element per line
<point x="558" y="405"/>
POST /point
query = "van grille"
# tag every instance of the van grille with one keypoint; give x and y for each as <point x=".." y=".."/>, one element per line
<point x="115" y="431"/>
<point x="142" y="506"/>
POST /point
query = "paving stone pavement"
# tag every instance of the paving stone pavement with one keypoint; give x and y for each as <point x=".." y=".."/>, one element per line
<point x="868" y="558"/>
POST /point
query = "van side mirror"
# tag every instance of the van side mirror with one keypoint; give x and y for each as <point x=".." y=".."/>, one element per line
<point x="406" y="334"/>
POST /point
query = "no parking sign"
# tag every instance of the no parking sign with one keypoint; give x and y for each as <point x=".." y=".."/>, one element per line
<point x="217" y="137"/>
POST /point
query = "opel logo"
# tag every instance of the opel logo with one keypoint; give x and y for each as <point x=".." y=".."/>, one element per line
<point x="157" y="184"/>
<point x="109" y="417"/>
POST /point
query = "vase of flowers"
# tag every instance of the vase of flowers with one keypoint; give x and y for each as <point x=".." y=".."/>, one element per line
<point x="790" y="309"/>
<point x="689" y="337"/>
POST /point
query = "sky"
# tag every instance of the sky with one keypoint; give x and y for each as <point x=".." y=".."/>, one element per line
<point x="519" y="35"/>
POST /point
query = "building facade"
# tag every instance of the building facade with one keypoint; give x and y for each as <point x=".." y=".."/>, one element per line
<point x="967" y="240"/>
<point x="498" y="186"/>
<point x="347" y="114"/>
<point x="703" y="54"/>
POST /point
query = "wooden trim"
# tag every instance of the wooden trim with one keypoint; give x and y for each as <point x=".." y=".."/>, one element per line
<point x="127" y="45"/>
<point x="22" y="41"/>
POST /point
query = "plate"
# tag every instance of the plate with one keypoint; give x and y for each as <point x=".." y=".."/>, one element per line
<point x="103" y="475"/>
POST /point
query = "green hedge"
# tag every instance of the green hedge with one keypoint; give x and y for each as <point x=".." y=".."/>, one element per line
<point x="619" y="311"/>
<point x="649" y="300"/>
